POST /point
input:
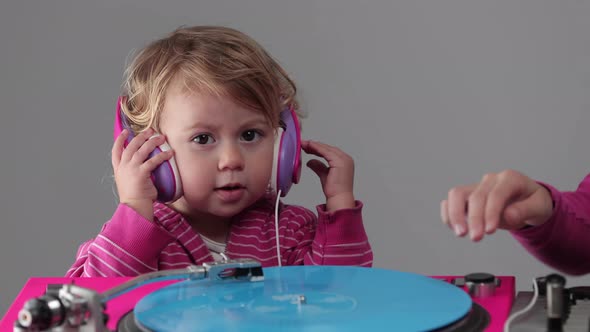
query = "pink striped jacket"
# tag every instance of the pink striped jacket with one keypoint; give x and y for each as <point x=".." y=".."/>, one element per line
<point x="129" y="245"/>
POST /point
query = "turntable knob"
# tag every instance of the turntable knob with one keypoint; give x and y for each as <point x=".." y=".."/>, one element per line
<point x="481" y="285"/>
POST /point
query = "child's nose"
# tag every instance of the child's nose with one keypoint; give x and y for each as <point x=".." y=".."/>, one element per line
<point x="231" y="158"/>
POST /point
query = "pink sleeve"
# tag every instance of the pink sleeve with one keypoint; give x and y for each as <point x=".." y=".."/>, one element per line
<point x="332" y="238"/>
<point x="563" y="242"/>
<point x="127" y="245"/>
<point x="341" y="239"/>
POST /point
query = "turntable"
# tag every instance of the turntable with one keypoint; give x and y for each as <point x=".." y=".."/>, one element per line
<point x="238" y="295"/>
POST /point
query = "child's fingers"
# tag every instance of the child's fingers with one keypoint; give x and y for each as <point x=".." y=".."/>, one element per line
<point x="328" y="152"/>
<point x="320" y="169"/>
<point x="135" y="144"/>
<point x="151" y="164"/>
<point x="457" y="207"/>
<point x="146" y="148"/>
<point x="118" y="148"/>
<point x="476" y="203"/>
<point x="498" y="199"/>
<point x="318" y="148"/>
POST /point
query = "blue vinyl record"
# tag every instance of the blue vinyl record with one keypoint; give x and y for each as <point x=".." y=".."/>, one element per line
<point x="306" y="298"/>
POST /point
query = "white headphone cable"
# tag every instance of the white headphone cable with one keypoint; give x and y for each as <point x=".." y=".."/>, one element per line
<point x="277" y="227"/>
<point x="525" y="309"/>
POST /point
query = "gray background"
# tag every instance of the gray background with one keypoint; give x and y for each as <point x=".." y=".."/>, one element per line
<point x="423" y="94"/>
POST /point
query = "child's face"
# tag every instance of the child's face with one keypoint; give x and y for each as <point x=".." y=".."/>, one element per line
<point x="223" y="151"/>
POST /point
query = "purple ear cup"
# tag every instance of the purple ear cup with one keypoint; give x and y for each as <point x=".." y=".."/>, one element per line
<point x="165" y="177"/>
<point x="289" y="155"/>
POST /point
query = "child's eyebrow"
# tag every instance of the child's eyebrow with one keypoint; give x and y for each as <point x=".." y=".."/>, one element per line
<point x="202" y="125"/>
<point x="255" y="123"/>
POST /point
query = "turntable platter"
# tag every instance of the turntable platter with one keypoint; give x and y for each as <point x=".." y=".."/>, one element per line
<point x="306" y="298"/>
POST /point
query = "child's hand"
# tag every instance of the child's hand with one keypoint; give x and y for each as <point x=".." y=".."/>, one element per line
<point x="133" y="170"/>
<point x="506" y="200"/>
<point x="337" y="178"/>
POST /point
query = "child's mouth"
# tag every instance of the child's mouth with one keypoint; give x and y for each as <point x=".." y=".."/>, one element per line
<point x="230" y="193"/>
<point x="230" y="187"/>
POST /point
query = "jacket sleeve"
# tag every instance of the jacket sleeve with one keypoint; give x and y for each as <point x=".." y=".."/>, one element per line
<point x="563" y="242"/>
<point x="332" y="238"/>
<point x="127" y="245"/>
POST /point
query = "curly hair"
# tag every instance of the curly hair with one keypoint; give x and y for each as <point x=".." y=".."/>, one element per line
<point x="207" y="59"/>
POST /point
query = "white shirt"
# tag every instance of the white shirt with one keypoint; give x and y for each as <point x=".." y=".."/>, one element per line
<point x="215" y="248"/>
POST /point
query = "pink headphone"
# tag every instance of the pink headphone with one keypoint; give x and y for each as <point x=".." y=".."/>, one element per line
<point x="286" y="168"/>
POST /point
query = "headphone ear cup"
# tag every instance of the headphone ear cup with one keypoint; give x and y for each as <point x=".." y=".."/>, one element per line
<point x="287" y="153"/>
<point x="166" y="177"/>
<point x="276" y="160"/>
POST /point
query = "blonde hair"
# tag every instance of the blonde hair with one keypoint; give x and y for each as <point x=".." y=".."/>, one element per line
<point x="207" y="59"/>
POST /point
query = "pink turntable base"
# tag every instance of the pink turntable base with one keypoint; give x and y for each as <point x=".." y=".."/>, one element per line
<point x="498" y="306"/>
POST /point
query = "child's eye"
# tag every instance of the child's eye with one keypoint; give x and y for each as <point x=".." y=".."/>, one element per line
<point x="203" y="139"/>
<point x="251" y="135"/>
